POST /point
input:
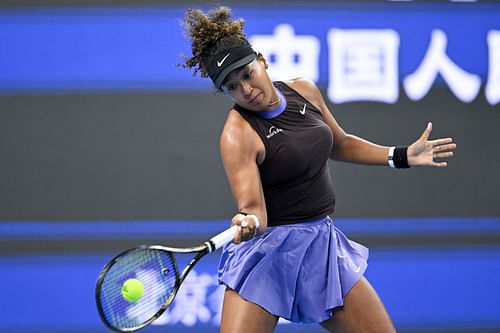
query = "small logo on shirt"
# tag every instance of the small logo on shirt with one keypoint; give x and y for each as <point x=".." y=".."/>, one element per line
<point x="273" y="130"/>
<point x="303" y="110"/>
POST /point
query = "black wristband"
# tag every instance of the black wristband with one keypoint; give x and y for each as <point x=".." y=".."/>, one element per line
<point x="400" y="158"/>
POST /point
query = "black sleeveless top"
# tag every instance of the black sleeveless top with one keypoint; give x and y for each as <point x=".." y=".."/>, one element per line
<point x="294" y="174"/>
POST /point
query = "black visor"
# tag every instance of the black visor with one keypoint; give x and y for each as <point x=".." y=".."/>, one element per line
<point x="227" y="61"/>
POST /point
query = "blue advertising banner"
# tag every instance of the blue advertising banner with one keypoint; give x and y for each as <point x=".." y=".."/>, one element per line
<point x="424" y="287"/>
<point x="356" y="52"/>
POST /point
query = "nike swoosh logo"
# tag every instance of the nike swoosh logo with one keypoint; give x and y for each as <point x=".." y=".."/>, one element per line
<point x="219" y="63"/>
<point x="303" y="110"/>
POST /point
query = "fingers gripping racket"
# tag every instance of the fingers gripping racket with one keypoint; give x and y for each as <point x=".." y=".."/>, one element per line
<point x="138" y="285"/>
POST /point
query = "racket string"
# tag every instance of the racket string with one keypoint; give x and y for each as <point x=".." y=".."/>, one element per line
<point x="157" y="271"/>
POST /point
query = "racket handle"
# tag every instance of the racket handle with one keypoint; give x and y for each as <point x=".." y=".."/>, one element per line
<point x="223" y="238"/>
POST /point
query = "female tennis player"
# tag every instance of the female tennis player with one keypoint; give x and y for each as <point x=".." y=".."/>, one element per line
<point x="288" y="260"/>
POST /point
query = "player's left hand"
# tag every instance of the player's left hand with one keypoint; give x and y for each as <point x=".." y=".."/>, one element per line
<point x="423" y="152"/>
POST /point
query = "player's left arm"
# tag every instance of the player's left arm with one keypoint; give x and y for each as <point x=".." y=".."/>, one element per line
<point x="351" y="148"/>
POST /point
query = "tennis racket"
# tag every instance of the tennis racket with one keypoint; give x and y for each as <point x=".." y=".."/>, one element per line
<point x="156" y="268"/>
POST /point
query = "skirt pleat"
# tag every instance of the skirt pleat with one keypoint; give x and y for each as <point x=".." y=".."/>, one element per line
<point x="299" y="272"/>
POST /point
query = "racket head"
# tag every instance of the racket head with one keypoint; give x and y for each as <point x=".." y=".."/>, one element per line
<point x="156" y="268"/>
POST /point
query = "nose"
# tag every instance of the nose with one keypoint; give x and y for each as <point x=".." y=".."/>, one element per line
<point x="246" y="88"/>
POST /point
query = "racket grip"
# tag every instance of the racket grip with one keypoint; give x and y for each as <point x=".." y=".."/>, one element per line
<point x="223" y="238"/>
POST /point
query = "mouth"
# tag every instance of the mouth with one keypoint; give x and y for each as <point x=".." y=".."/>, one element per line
<point x="254" y="99"/>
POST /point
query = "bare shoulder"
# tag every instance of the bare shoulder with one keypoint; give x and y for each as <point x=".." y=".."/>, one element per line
<point x="238" y="138"/>
<point x="308" y="89"/>
<point x="302" y="84"/>
<point x="235" y="127"/>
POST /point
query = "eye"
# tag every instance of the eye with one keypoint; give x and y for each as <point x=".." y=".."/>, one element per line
<point x="248" y="74"/>
<point x="229" y="87"/>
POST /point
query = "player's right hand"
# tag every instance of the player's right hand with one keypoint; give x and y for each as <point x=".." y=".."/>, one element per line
<point x="248" y="227"/>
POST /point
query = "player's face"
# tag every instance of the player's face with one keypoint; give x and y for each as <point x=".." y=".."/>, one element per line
<point x="250" y="86"/>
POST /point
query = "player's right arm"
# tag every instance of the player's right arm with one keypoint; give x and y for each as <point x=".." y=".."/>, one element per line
<point x="241" y="151"/>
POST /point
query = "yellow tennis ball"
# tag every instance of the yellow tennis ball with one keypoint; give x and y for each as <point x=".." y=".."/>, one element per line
<point x="132" y="290"/>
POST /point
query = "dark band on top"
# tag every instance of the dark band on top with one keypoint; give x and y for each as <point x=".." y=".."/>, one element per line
<point x="225" y="62"/>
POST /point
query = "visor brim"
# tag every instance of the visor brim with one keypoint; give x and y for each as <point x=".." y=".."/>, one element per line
<point x="231" y="67"/>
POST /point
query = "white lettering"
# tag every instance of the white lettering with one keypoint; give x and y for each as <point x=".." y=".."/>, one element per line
<point x="493" y="84"/>
<point x="363" y="65"/>
<point x="289" y="56"/>
<point x="463" y="84"/>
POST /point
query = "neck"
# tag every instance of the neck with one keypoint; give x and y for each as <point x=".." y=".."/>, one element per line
<point x="277" y="108"/>
<point x="276" y="101"/>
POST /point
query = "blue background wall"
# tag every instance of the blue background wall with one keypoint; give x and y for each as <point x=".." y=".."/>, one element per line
<point x="104" y="146"/>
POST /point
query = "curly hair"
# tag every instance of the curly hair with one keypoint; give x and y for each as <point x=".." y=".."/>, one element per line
<point x="211" y="34"/>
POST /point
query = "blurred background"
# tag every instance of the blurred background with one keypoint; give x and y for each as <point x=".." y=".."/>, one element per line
<point x="106" y="144"/>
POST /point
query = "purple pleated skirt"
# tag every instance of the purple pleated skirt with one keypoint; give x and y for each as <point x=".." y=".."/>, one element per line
<point x="299" y="272"/>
